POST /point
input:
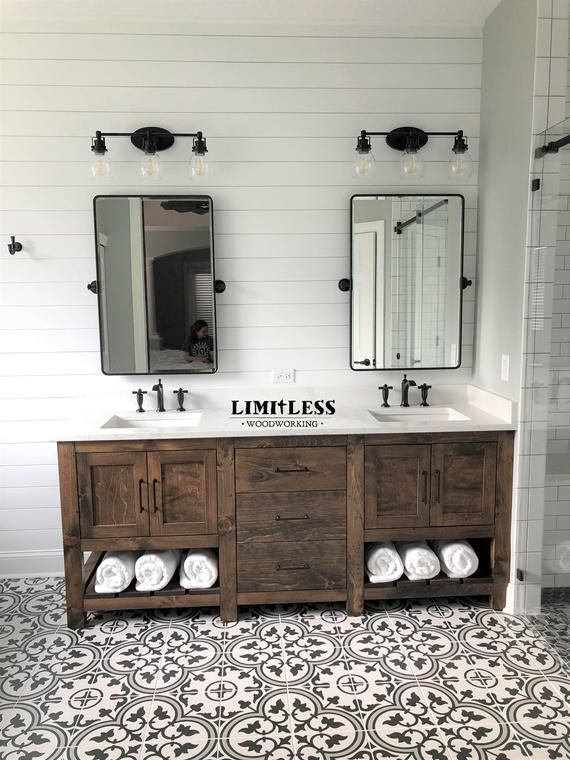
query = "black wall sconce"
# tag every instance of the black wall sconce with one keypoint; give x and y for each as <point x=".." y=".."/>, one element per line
<point x="14" y="246"/>
<point x="151" y="141"/>
<point x="409" y="141"/>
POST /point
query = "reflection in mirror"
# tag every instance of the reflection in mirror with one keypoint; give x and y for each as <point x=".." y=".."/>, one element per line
<point x="407" y="253"/>
<point x="156" y="284"/>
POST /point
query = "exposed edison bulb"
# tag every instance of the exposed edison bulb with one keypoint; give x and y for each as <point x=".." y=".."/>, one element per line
<point x="460" y="165"/>
<point x="100" y="166"/>
<point x="363" y="165"/>
<point x="199" y="165"/>
<point x="411" y="165"/>
<point x="150" y="165"/>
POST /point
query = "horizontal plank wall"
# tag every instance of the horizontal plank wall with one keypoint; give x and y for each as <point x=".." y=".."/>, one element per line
<point x="281" y="108"/>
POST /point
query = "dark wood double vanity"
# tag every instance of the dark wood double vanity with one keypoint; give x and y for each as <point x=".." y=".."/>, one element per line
<point x="289" y="516"/>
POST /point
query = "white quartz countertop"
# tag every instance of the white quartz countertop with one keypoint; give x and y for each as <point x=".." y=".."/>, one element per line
<point x="480" y="411"/>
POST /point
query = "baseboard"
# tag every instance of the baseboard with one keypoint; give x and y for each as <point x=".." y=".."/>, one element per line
<point x="31" y="563"/>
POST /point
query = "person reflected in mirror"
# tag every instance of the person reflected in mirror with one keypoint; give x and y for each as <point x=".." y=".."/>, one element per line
<point x="200" y="345"/>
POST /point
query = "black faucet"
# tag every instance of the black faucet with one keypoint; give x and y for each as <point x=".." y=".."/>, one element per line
<point x="160" y="396"/>
<point x="405" y="388"/>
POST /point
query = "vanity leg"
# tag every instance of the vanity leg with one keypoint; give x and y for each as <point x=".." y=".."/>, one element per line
<point x="498" y="599"/>
<point x="355" y="527"/>
<point x="73" y="562"/>
<point x="226" y="531"/>
<point x="72" y="554"/>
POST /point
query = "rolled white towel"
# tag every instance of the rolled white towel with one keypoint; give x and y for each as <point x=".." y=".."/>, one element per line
<point x="457" y="557"/>
<point x="154" y="570"/>
<point x="420" y="562"/>
<point x="383" y="563"/>
<point x="115" y="572"/>
<point x="199" y="569"/>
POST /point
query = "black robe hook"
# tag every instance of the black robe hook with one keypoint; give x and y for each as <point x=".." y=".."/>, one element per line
<point x="14" y="246"/>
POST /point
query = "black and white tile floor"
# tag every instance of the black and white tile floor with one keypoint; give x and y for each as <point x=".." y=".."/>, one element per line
<point x="436" y="680"/>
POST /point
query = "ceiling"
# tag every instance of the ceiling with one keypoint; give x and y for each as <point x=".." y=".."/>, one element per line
<point x="314" y="12"/>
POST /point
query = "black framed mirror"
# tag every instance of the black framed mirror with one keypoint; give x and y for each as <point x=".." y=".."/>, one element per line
<point x="155" y="284"/>
<point x="406" y="281"/>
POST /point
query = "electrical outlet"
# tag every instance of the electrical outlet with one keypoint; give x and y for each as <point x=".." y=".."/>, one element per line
<point x="505" y="362"/>
<point x="283" y="375"/>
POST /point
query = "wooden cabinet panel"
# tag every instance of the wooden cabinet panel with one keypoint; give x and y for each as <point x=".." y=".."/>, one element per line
<point x="285" y="565"/>
<point x="463" y="483"/>
<point x="291" y="469"/>
<point x="113" y="494"/>
<point x="291" y="516"/>
<point x="183" y="499"/>
<point x="396" y="486"/>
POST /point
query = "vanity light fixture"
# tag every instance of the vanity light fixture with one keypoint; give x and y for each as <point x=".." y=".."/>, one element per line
<point x="409" y="141"/>
<point x="151" y="141"/>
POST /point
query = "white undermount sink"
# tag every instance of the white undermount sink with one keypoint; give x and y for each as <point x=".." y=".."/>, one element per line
<point x="419" y="415"/>
<point x="153" y="421"/>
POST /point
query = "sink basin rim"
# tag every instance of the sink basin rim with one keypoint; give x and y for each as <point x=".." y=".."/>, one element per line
<point x="121" y="422"/>
<point x="417" y="415"/>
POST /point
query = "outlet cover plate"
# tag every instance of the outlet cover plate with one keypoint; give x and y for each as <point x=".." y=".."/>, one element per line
<point x="283" y="375"/>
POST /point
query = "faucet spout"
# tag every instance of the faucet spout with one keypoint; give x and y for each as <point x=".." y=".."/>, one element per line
<point x="406" y="384"/>
<point x="159" y="396"/>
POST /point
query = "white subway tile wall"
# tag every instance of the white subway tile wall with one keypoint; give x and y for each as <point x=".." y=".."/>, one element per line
<point x="281" y="108"/>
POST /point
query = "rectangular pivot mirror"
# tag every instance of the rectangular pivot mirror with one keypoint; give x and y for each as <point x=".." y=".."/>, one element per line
<point x="155" y="281"/>
<point x="407" y="265"/>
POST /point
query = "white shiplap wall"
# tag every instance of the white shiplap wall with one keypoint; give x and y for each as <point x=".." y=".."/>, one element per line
<point x="281" y="108"/>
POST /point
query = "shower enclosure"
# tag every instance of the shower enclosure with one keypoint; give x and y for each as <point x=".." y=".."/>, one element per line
<point x="544" y="461"/>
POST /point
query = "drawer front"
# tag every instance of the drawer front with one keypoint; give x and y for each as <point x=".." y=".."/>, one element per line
<point x="294" y="469"/>
<point x="287" y="565"/>
<point x="291" y="516"/>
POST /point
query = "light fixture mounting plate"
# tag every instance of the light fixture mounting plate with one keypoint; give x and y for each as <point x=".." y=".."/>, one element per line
<point x="398" y="138"/>
<point x="163" y="138"/>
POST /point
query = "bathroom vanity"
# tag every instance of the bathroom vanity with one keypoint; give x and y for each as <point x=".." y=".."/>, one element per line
<point x="290" y="516"/>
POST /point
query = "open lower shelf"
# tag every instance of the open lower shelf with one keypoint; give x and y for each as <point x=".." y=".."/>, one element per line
<point x="172" y="595"/>
<point x="481" y="583"/>
<point x="441" y="585"/>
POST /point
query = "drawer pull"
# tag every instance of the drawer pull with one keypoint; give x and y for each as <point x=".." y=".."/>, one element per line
<point x="304" y="517"/>
<point x="293" y="567"/>
<point x="291" y="469"/>
<point x="155" y="482"/>
<point x="438" y="486"/>
<point x="141" y="506"/>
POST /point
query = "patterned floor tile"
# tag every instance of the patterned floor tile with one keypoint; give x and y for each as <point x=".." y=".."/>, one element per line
<point x="410" y="680"/>
<point x="120" y="736"/>
<point x="488" y="741"/>
<point x="258" y="726"/>
<point x="28" y="732"/>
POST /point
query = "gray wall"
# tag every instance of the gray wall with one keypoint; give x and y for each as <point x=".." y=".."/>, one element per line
<point x="509" y="37"/>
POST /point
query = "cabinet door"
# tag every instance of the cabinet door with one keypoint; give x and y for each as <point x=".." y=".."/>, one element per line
<point x="182" y="492"/>
<point x="463" y="483"/>
<point x="396" y="486"/>
<point x="113" y="498"/>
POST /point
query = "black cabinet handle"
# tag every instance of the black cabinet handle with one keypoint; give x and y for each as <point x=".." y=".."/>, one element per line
<point x="304" y="517"/>
<point x="141" y="483"/>
<point x="425" y="493"/>
<point x="438" y="486"/>
<point x="293" y="567"/>
<point x="154" y="498"/>
<point x="291" y="469"/>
